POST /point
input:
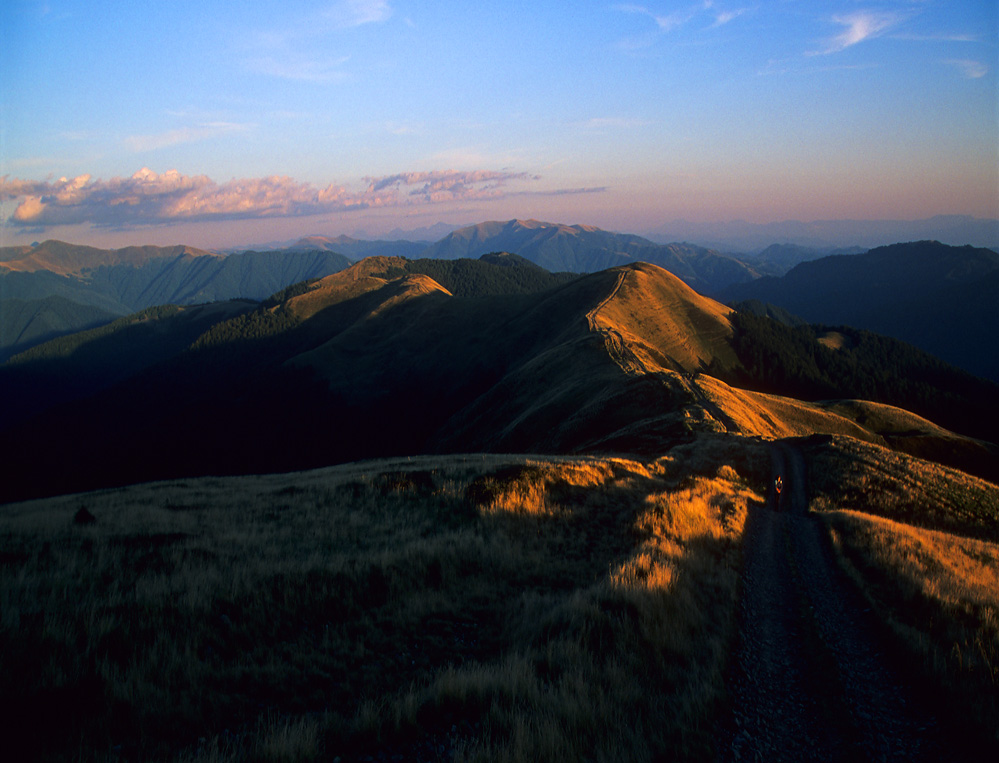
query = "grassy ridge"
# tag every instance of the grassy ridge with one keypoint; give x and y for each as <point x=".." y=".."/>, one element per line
<point x="922" y="543"/>
<point x="939" y="593"/>
<point x="845" y="473"/>
<point x="497" y="608"/>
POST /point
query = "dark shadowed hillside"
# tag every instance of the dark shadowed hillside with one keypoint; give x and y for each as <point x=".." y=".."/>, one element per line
<point x="26" y="323"/>
<point x="777" y="259"/>
<point x="78" y="365"/>
<point x="940" y="298"/>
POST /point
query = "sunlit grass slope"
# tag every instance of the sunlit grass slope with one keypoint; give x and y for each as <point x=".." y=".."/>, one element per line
<point x="367" y="275"/>
<point x="608" y="372"/>
<point x="775" y="416"/>
<point x="493" y="607"/>
<point x="922" y="541"/>
<point x="848" y="474"/>
<point x="664" y="323"/>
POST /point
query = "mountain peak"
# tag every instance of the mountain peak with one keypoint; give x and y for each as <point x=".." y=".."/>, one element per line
<point x="557" y="247"/>
<point x="72" y="259"/>
<point x="665" y="324"/>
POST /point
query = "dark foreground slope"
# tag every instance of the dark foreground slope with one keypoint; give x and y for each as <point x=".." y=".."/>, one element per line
<point x="502" y="607"/>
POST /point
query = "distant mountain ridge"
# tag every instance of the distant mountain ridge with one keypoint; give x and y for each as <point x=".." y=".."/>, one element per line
<point x="122" y="281"/>
<point x="73" y="259"/>
<point x="777" y="259"/>
<point x="940" y="298"/>
<point x="742" y="236"/>
<point x="586" y="249"/>
<point x="356" y="249"/>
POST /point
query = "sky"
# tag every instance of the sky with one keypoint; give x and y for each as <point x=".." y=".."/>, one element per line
<point x="224" y="124"/>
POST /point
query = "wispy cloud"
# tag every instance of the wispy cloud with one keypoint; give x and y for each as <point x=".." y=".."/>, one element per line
<point x="148" y="198"/>
<point x="182" y="135"/>
<point x="298" y="50"/>
<point x="565" y="191"/>
<point x="723" y="17"/>
<point x="969" y="68"/>
<point x="857" y="27"/>
<point x="354" y="13"/>
<point x="669" y="22"/>
<point x="446" y="185"/>
<point x="665" y="22"/>
<point x="296" y="66"/>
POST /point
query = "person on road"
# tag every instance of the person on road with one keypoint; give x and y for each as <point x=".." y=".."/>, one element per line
<point x="778" y="487"/>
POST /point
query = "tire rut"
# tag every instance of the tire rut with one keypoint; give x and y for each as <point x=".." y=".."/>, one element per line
<point x="810" y="679"/>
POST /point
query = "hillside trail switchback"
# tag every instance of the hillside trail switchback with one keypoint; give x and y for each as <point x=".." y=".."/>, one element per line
<point x="810" y="679"/>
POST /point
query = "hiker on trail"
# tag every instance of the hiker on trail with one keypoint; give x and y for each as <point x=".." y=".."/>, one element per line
<point x="778" y="486"/>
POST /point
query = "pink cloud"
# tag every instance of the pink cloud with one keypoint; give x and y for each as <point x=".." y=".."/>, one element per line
<point x="149" y="198"/>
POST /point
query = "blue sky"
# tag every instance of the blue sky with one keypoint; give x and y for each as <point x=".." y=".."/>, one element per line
<point x="228" y="123"/>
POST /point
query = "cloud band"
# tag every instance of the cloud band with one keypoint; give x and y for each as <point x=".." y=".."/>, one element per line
<point x="148" y="198"/>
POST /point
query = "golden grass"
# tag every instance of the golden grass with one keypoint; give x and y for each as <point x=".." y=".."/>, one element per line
<point x="939" y="593"/>
<point x="360" y="278"/>
<point x="774" y="416"/>
<point x="663" y="322"/>
<point x="886" y="419"/>
<point x="835" y="340"/>
<point x="490" y="607"/>
<point x="920" y="540"/>
<point x="845" y="473"/>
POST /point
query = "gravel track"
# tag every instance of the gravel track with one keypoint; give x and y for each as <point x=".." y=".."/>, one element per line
<point x="811" y="679"/>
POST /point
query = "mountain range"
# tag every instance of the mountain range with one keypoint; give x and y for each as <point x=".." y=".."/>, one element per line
<point x="585" y="249"/>
<point x="357" y="249"/>
<point x="935" y="296"/>
<point x="54" y="287"/>
<point x="383" y="359"/>
<point x="96" y="285"/>
<point x="742" y="236"/>
<point x="777" y="259"/>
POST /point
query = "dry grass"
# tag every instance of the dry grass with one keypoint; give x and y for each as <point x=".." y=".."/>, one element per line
<point x="658" y="322"/>
<point x="939" y="593"/>
<point x="484" y="608"/>
<point x="847" y="474"/>
<point x="835" y="340"/>
<point x="774" y="416"/>
<point x="920" y="540"/>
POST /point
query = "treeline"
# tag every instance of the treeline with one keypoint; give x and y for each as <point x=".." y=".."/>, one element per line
<point x="790" y="360"/>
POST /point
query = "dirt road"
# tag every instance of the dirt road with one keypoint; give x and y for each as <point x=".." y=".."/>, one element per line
<point x="810" y="680"/>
